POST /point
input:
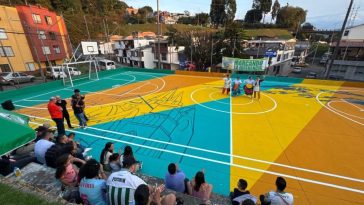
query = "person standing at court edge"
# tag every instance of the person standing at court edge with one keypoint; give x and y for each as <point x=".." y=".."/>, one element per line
<point x="57" y="116"/>
<point x="74" y="97"/>
<point x="63" y="105"/>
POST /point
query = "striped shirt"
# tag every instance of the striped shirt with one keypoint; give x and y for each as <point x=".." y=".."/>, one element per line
<point x="121" y="186"/>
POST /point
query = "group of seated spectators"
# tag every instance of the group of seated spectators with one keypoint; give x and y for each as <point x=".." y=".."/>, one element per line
<point x="86" y="180"/>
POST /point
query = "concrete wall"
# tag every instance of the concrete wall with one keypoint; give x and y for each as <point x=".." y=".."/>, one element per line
<point x="10" y="21"/>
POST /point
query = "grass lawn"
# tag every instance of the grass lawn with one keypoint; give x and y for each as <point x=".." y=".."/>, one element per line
<point x="279" y="33"/>
<point x="11" y="196"/>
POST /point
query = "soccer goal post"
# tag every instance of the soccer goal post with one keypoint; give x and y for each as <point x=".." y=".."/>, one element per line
<point x="81" y="70"/>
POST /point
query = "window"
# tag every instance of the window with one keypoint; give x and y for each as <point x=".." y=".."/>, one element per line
<point x="279" y="58"/>
<point x="48" y="20"/>
<point x="164" y="56"/>
<point x="3" y="34"/>
<point x="5" y="68"/>
<point x="36" y="18"/>
<point x="30" y="66"/>
<point x="41" y="35"/>
<point x="6" y="51"/>
<point x="141" y="54"/>
<point x="56" y="49"/>
<point x="46" y="50"/>
<point x="52" y="36"/>
<point x="346" y="33"/>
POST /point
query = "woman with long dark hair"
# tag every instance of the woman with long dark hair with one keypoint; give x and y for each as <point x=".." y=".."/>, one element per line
<point x="128" y="152"/>
<point x="93" y="183"/>
<point x="105" y="155"/>
<point x="198" y="187"/>
<point x="65" y="170"/>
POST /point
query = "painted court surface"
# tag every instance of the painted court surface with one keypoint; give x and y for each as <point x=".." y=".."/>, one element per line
<point x="311" y="132"/>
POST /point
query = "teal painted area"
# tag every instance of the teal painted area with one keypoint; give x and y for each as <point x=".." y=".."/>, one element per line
<point x="192" y="126"/>
<point x="107" y="80"/>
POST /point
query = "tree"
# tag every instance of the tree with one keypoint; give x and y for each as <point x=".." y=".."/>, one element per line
<point x="146" y="11"/>
<point x="308" y="27"/>
<point x="265" y="7"/>
<point x="275" y="9"/>
<point x="291" y="17"/>
<point x="253" y="16"/>
<point x="201" y="19"/>
<point x="217" y="12"/>
<point x="230" y="10"/>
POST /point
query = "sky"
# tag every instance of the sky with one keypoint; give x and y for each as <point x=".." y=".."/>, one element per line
<point x="323" y="14"/>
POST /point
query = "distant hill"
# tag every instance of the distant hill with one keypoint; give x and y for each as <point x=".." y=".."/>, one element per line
<point x="272" y="33"/>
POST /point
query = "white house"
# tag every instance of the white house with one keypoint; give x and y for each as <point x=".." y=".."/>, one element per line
<point x="283" y="50"/>
<point x="355" y="33"/>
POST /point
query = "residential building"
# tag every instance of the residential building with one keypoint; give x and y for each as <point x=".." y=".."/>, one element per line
<point x="124" y="47"/>
<point x="279" y="54"/>
<point x="46" y="34"/>
<point x="349" y="63"/>
<point x="131" y="11"/>
<point x="15" y="53"/>
<point x="169" y="55"/>
<point x="142" y="57"/>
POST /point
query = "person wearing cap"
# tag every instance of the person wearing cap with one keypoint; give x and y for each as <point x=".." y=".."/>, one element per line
<point x="124" y="182"/>
<point x="63" y="104"/>
<point x="78" y="107"/>
<point x="57" y="115"/>
<point x="74" y="97"/>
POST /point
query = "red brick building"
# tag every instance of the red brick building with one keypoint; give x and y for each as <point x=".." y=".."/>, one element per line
<point x="46" y="34"/>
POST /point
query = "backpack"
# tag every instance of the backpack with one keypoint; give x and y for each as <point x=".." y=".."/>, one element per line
<point x="52" y="154"/>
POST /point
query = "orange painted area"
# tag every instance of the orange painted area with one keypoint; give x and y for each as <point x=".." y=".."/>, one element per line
<point x="106" y="101"/>
<point x="329" y="143"/>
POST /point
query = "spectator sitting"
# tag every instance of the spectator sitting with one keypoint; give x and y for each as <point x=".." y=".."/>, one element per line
<point x="55" y="151"/>
<point x="81" y="150"/>
<point x="175" y="178"/>
<point x="7" y="163"/>
<point x="240" y="194"/>
<point x="114" y="162"/>
<point x="41" y="147"/>
<point x="65" y="171"/>
<point x="93" y="183"/>
<point x="124" y="181"/>
<point x="278" y="197"/>
<point x="105" y="155"/>
<point x="199" y="188"/>
<point x="128" y="152"/>
<point x="248" y="202"/>
<point x="145" y="195"/>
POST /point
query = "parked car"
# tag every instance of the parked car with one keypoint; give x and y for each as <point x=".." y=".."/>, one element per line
<point x="335" y="77"/>
<point x="55" y="72"/>
<point x="106" y="64"/>
<point x="311" y="75"/>
<point x="297" y="70"/>
<point x="74" y="71"/>
<point x="10" y="78"/>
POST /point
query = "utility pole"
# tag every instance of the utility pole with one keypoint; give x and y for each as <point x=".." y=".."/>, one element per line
<point x="159" y="36"/>
<point x="212" y="50"/>
<point x="336" y="51"/>
<point x="88" y="32"/>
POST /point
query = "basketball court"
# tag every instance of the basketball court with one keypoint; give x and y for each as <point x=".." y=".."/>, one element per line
<point x="308" y="131"/>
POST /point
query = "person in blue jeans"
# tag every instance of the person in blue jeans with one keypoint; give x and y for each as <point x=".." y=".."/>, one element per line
<point x="175" y="178"/>
<point x="78" y="106"/>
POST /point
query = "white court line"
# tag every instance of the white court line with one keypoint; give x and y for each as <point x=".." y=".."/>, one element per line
<point x="352" y="104"/>
<point x="36" y="100"/>
<point x="219" y="153"/>
<point x="338" y="113"/>
<point x="190" y="76"/>
<point x="91" y="81"/>
<point x="224" y="163"/>
<point x="219" y="101"/>
<point x="237" y="113"/>
<point x="342" y="101"/>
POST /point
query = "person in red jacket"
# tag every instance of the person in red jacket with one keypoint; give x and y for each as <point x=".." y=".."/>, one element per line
<point x="57" y="116"/>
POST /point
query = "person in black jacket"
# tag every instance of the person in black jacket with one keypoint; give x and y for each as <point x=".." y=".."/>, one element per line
<point x="66" y="115"/>
<point x="74" y="98"/>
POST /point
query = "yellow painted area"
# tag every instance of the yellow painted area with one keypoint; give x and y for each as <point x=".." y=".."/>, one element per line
<point x="16" y="39"/>
<point x="266" y="136"/>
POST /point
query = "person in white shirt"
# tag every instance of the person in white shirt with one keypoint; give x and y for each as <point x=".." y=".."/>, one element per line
<point x="227" y="83"/>
<point x="236" y="88"/>
<point x="257" y="87"/>
<point x="278" y="197"/>
<point x="121" y="185"/>
<point x="42" y="145"/>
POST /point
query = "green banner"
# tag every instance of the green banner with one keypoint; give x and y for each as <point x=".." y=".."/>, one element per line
<point x="243" y="64"/>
